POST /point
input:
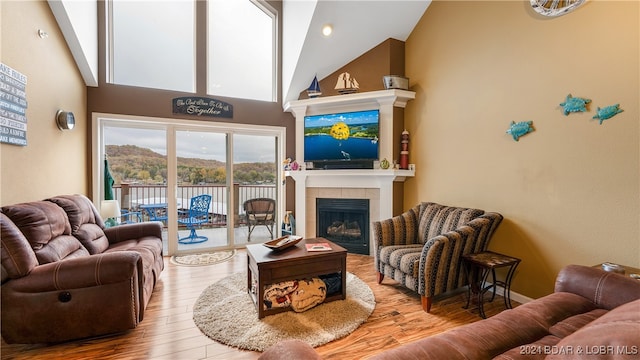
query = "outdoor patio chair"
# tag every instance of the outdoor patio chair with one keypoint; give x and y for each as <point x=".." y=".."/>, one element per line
<point x="130" y="217"/>
<point x="193" y="218"/>
<point x="260" y="211"/>
<point x="290" y="227"/>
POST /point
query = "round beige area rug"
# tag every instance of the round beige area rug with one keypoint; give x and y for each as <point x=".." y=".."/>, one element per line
<point x="225" y="313"/>
<point x="203" y="259"/>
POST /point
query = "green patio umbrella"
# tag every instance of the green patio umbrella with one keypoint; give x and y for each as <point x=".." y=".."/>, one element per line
<point x="108" y="181"/>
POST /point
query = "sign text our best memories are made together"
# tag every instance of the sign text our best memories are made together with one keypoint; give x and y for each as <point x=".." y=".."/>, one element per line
<point x="201" y="106"/>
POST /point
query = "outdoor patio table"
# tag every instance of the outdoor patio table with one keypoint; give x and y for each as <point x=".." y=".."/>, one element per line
<point x="156" y="212"/>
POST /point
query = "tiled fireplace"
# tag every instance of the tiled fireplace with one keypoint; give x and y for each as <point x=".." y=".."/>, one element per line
<point x="374" y="185"/>
<point x="344" y="222"/>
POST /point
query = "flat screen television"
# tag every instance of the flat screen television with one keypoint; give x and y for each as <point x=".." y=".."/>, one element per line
<point x="342" y="140"/>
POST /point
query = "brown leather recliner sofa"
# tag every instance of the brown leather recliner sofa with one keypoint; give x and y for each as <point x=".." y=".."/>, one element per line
<point x="592" y="314"/>
<point x="65" y="276"/>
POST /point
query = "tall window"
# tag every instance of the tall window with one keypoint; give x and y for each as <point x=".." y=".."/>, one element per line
<point x="153" y="44"/>
<point x="240" y="49"/>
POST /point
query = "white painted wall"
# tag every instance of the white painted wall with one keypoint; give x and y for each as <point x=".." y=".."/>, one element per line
<point x="78" y="21"/>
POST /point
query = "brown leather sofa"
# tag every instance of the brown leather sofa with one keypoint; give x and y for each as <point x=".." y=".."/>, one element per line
<point x="65" y="276"/>
<point x="592" y="314"/>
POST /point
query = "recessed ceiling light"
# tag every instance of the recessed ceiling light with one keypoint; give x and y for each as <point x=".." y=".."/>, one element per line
<point x="327" y="29"/>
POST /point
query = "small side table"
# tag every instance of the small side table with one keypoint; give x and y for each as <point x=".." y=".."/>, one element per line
<point x="479" y="266"/>
<point x="628" y="270"/>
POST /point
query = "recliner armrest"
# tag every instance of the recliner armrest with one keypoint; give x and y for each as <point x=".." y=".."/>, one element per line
<point x="81" y="272"/>
<point x="605" y="289"/>
<point x="134" y="231"/>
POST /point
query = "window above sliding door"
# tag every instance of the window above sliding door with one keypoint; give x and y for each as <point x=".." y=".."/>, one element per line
<point x="152" y="44"/>
<point x="241" y="49"/>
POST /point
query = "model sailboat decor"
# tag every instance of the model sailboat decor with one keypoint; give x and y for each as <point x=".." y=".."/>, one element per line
<point x="314" y="89"/>
<point x="346" y="84"/>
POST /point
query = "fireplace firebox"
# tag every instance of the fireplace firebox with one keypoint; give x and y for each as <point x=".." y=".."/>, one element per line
<point x="344" y="222"/>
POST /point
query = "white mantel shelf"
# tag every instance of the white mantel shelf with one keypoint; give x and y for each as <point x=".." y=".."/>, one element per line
<point x="343" y="178"/>
<point x="394" y="97"/>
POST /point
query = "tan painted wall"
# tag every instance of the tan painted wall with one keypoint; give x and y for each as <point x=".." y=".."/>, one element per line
<point x="53" y="162"/>
<point x="386" y="58"/>
<point x="569" y="191"/>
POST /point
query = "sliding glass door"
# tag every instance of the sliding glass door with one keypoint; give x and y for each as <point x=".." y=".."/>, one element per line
<point x="202" y="190"/>
<point x="255" y="179"/>
<point x="198" y="179"/>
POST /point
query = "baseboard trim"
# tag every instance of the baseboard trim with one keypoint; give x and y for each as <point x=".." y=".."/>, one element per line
<point x="515" y="296"/>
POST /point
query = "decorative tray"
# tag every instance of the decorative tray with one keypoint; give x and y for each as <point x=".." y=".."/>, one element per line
<point x="282" y="243"/>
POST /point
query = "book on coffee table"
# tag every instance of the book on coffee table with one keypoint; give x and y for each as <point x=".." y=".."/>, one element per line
<point x="318" y="247"/>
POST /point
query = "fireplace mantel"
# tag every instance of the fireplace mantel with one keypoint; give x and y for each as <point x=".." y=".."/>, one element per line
<point x="379" y="179"/>
<point x="359" y="178"/>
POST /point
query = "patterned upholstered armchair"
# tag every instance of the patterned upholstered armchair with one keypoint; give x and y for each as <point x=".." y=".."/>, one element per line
<point x="422" y="248"/>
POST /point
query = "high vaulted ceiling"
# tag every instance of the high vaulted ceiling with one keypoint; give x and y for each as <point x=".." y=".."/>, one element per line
<point x="358" y="26"/>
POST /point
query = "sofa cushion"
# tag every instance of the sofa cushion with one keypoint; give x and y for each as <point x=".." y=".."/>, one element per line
<point x="480" y="340"/>
<point x="150" y="250"/>
<point x="569" y="325"/>
<point x="46" y="227"/>
<point x="615" y="335"/>
<point x="86" y="224"/>
<point x="556" y="307"/>
<point x="18" y="259"/>
<point x="538" y="349"/>
<point x="437" y="219"/>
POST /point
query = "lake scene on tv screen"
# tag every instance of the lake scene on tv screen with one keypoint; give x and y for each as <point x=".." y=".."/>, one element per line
<point x="343" y="136"/>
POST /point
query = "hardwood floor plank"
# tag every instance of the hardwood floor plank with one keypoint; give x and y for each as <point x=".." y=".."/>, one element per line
<point x="168" y="330"/>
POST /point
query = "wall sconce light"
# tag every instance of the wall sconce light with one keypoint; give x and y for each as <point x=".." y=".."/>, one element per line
<point x="110" y="212"/>
<point x="65" y="120"/>
<point x="327" y="29"/>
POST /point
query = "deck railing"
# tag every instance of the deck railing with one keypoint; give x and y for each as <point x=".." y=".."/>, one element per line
<point x="131" y="196"/>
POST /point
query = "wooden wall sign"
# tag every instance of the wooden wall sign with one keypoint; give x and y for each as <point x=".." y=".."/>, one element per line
<point x="201" y="106"/>
<point x="13" y="106"/>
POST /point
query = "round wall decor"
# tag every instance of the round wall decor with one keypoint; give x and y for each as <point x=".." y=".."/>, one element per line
<point x="554" y="8"/>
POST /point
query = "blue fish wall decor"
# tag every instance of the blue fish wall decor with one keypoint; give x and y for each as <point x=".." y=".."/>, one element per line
<point x="574" y="104"/>
<point x="607" y="112"/>
<point x="518" y="129"/>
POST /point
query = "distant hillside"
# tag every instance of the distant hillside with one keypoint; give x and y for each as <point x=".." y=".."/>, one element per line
<point x="133" y="164"/>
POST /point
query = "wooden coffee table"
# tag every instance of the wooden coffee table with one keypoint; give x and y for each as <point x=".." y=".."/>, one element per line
<point x="266" y="266"/>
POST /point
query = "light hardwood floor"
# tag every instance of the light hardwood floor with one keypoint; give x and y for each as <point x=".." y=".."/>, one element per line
<point x="168" y="331"/>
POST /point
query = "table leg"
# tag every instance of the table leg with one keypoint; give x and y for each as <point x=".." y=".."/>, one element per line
<point x="343" y="271"/>
<point x="507" y="286"/>
<point x="472" y="286"/>
<point x="483" y="289"/>
<point x="493" y="274"/>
